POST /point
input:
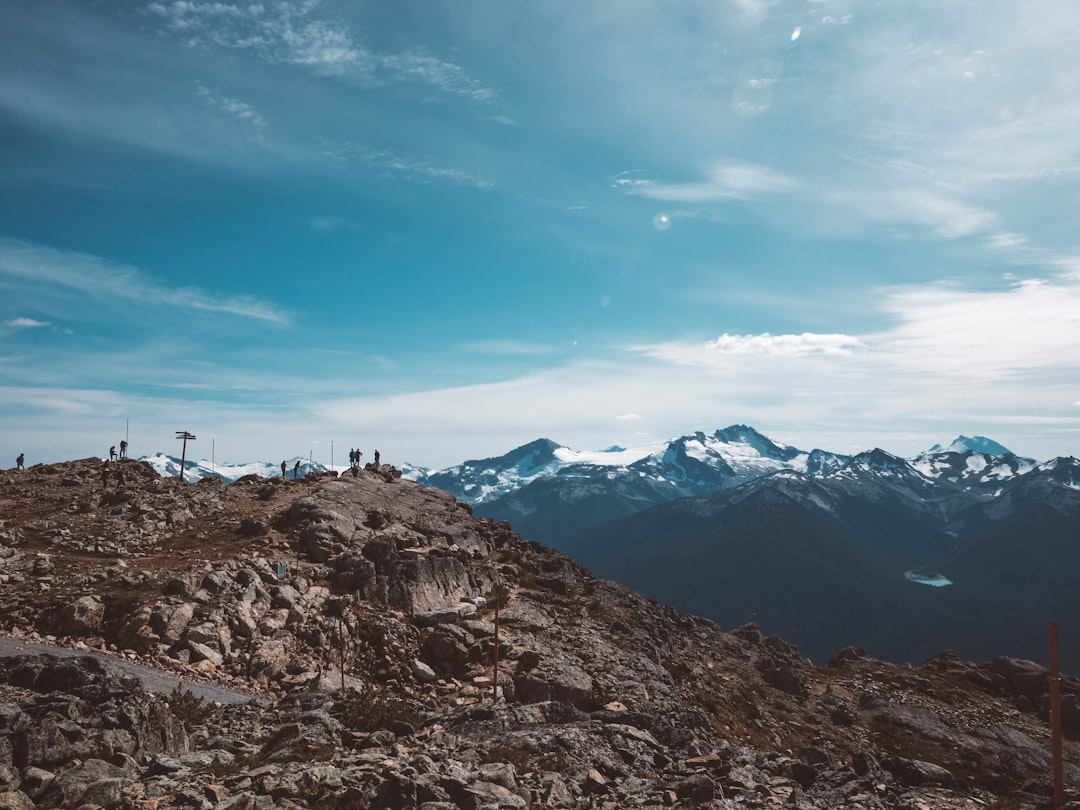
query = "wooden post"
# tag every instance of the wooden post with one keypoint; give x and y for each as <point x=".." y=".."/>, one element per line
<point x="341" y="648"/>
<point x="1055" y="720"/>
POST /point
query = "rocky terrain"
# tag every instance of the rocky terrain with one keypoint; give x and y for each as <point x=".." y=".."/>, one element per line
<point x="401" y="653"/>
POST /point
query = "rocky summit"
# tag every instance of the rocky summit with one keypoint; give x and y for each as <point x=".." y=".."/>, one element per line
<point x="365" y="642"/>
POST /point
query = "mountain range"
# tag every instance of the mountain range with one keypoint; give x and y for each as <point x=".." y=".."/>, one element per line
<point x="822" y="548"/>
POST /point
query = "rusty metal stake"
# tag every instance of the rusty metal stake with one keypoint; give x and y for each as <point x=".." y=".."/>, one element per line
<point x="495" y="679"/>
<point x="1055" y="720"/>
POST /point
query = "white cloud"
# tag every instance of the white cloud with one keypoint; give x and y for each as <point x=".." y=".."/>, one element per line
<point x="788" y="345"/>
<point x="25" y="323"/>
<point x="103" y="279"/>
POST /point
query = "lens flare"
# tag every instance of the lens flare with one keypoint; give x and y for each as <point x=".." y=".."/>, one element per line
<point x="661" y="222"/>
<point x="796" y="33"/>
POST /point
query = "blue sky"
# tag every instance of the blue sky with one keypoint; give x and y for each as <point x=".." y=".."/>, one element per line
<point x="447" y="228"/>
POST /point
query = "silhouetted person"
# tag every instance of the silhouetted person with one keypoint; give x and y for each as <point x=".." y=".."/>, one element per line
<point x="376" y="459"/>
<point x="296" y="469"/>
<point x="283" y="465"/>
<point x="19" y="463"/>
<point x="123" y="448"/>
<point x="112" y="452"/>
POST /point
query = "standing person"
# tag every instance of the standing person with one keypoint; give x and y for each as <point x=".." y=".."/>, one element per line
<point x="105" y="475"/>
<point x="19" y="462"/>
<point x="112" y="452"/>
<point x="283" y="469"/>
<point x="352" y="456"/>
<point x="296" y="469"/>
<point x="376" y="459"/>
<point x="123" y="448"/>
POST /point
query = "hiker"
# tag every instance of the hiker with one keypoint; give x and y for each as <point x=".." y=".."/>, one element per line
<point x="112" y="452"/>
<point x="19" y="462"/>
<point x="376" y="459"/>
<point x="105" y="475"/>
<point x="123" y="448"/>
<point x="283" y="469"/>
<point x="296" y="469"/>
<point x="352" y="456"/>
<point x="358" y="454"/>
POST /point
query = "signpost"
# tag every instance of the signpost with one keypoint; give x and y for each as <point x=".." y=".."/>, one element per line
<point x="183" y="434"/>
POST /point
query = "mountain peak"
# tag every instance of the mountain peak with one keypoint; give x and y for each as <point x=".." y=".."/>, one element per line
<point x="973" y="444"/>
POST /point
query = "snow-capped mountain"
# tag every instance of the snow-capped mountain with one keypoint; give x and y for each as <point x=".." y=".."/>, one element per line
<point x="169" y="466"/>
<point x="974" y="444"/>
<point x="549" y="492"/>
<point x="693" y="464"/>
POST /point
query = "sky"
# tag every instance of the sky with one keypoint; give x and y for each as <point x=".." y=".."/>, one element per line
<point x="445" y="228"/>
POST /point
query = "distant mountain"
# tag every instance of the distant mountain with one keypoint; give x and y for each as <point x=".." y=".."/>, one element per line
<point x="828" y="560"/>
<point x="549" y="492"/>
<point x="169" y="466"/>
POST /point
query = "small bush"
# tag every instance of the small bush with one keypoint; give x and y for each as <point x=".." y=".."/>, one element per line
<point x="370" y="711"/>
<point x="189" y="708"/>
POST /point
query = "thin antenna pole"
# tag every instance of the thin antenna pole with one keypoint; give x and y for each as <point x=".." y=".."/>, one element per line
<point x="127" y="426"/>
<point x="495" y="667"/>
<point x="1055" y="720"/>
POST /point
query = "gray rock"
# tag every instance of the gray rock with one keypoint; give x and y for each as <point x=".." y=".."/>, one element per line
<point x="15" y="800"/>
<point x="83" y="617"/>
<point x="170" y="621"/>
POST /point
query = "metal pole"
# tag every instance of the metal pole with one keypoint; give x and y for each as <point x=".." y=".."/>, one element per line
<point x="1055" y="720"/>
<point x="495" y="679"/>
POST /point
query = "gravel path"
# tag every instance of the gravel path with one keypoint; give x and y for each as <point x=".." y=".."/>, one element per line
<point x="155" y="680"/>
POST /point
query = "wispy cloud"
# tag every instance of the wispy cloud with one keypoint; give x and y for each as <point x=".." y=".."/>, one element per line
<point x="25" y="323"/>
<point x="231" y="106"/>
<point x="727" y="181"/>
<point x="409" y="169"/>
<point x="100" y="278"/>
<point x="294" y="33"/>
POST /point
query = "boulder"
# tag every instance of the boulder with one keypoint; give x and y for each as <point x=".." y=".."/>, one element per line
<point x="83" y="617"/>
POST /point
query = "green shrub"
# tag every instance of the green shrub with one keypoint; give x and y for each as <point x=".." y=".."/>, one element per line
<point x="189" y="708"/>
<point x="371" y="711"/>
